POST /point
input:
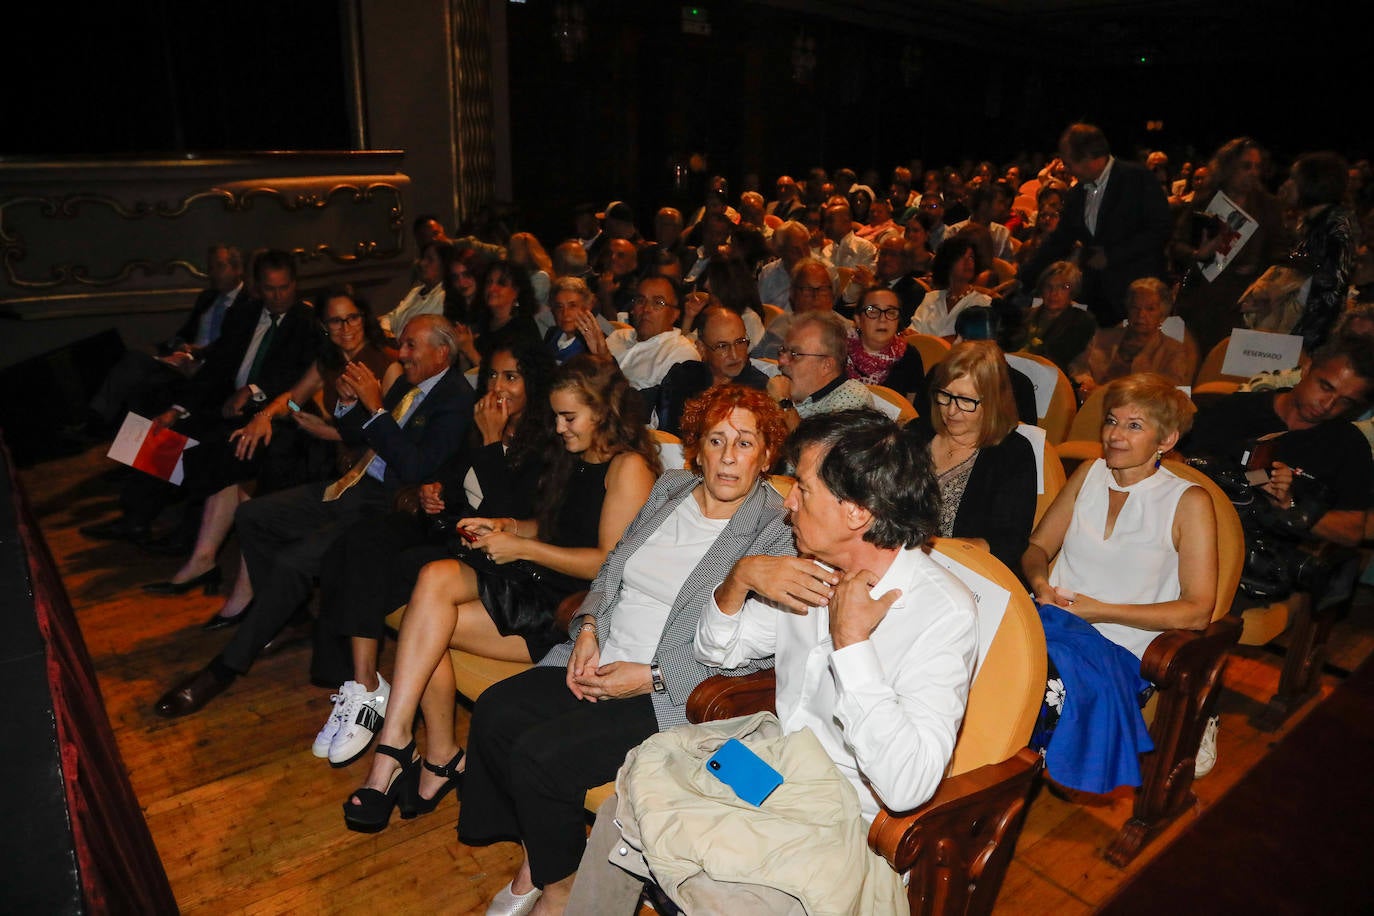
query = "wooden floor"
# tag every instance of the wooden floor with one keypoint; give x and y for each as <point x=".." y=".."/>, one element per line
<point x="247" y="820"/>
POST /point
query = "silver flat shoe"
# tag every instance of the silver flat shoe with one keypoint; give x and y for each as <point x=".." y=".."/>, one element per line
<point x="508" y="903"/>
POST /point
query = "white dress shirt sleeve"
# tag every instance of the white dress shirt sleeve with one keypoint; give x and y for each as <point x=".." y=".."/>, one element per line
<point x="729" y="641"/>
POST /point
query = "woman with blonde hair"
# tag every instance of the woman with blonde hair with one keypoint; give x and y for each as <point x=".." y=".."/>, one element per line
<point x="526" y="252"/>
<point x="986" y="469"/>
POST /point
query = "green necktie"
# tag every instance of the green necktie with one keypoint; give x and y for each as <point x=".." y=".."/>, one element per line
<point x="260" y="357"/>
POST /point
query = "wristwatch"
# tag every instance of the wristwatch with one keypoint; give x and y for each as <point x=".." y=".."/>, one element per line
<point x="657" y="677"/>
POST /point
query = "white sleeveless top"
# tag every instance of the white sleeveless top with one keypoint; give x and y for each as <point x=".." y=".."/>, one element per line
<point x="1138" y="563"/>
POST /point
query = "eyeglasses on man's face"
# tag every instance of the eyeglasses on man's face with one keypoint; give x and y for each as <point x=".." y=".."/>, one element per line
<point x="811" y="290"/>
<point x="656" y="302"/>
<point x="339" y="321"/>
<point x="786" y="352"/>
<point x="944" y="398"/>
<point x="725" y="346"/>
<point x="891" y="313"/>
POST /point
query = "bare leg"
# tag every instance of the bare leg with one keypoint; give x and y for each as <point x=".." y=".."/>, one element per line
<point x="215" y="522"/>
<point x="555" y="897"/>
<point x="365" y="661"/>
<point x="443" y="612"/>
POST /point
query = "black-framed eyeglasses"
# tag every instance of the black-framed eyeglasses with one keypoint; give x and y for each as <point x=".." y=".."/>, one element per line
<point x="794" y="353"/>
<point x="725" y="346"/>
<point x="892" y="313"/>
<point x="967" y="405"/>
<point x="339" y="321"/>
<point x="657" y="302"/>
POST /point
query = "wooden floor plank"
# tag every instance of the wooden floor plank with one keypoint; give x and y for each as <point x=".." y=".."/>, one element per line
<point x="248" y="821"/>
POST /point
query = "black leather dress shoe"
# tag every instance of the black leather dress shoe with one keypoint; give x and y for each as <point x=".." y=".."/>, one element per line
<point x="121" y="529"/>
<point x="208" y="580"/>
<point x="218" y="622"/>
<point x="190" y="695"/>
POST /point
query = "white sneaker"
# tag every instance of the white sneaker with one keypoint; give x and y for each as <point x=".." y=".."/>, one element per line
<point x="360" y="720"/>
<point x="508" y="903"/>
<point x="1207" y="749"/>
<point x="331" y="725"/>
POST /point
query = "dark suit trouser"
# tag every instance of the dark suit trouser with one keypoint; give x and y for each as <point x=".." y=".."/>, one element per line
<point x="138" y="381"/>
<point x="367" y="573"/>
<point x="533" y="752"/>
<point x="282" y="538"/>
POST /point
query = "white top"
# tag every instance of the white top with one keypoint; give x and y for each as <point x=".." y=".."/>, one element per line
<point x="1138" y="564"/>
<point x="852" y="251"/>
<point x="886" y="710"/>
<point x="1001" y="238"/>
<point x="416" y="302"/>
<point x="934" y="317"/>
<point x="645" y="362"/>
<point x="653" y="576"/>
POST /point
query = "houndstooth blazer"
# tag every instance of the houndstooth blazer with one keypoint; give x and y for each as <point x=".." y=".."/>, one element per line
<point x="758" y="527"/>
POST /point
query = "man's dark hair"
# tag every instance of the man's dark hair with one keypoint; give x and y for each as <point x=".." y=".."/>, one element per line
<point x="1355" y="349"/>
<point x="1321" y="178"/>
<point x="880" y="467"/>
<point x="1002" y="188"/>
<point x="273" y="259"/>
<point x="978" y="322"/>
<point x="980" y="195"/>
<point x="1084" y="141"/>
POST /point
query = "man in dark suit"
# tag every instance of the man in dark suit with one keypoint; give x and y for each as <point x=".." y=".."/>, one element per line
<point x="419" y="423"/>
<point x="263" y="349"/>
<point x="1117" y="217"/>
<point x="139" y="375"/>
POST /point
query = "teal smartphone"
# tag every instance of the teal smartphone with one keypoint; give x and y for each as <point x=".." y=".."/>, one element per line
<point x="743" y="771"/>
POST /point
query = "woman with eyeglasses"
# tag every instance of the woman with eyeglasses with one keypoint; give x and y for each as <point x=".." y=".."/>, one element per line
<point x="273" y="439"/>
<point x="986" y="469"/>
<point x="371" y="569"/>
<point x="878" y="355"/>
<point x="1055" y="328"/>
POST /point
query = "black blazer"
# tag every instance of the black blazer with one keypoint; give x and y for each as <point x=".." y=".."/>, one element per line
<point x="1133" y="226"/>
<point x="191" y="326"/>
<point x="999" y="500"/>
<point x="293" y="348"/>
<point x="413" y="453"/>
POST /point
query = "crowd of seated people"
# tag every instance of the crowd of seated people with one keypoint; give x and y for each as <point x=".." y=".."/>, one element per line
<point x="478" y="451"/>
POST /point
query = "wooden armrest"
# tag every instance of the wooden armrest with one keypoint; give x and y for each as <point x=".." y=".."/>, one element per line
<point x="567" y="609"/>
<point x="722" y="697"/>
<point x="1175" y="654"/>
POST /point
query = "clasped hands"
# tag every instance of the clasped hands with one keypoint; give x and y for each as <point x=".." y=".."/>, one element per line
<point x="590" y="680"/>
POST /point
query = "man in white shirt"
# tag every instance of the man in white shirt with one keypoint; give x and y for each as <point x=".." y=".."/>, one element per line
<point x="792" y="243"/>
<point x="984" y="203"/>
<point x="848" y="252"/>
<point x="655" y="344"/>
<point x="874" y="642"/>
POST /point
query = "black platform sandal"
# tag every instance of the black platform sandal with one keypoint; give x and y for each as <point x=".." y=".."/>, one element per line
<point x="453" y="781"/>
<point x="373" y="811"/>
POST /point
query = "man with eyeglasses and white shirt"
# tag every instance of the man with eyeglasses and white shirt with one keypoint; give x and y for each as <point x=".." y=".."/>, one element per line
<point x="723" y="346"/>
<point x="655" y="344"/>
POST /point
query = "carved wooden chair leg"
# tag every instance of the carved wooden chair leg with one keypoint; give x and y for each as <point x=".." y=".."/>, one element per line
<point x="1187" y="668"/>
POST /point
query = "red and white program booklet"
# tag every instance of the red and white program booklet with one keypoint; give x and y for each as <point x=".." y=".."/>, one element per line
<point x="143" y="445"/>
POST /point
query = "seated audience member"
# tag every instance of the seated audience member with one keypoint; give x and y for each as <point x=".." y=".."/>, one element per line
<point x="371" y="569"/>
<point x="894" y="273"/>
<point x="1056" y="328"/>
<point x="880" y="224"/>
<point x="570" y="260"/>
<point x="505" y="315"/>
<point x="955" y="267"/>
<point x="723" y="346"/>
<point x="1140" y="346"/>
<point x="1136" y="555"/>
<point x="410" y="430"/>
<point x="464" y="288"/>
<point x="654" y="344"/>
<point x="615" y="287"/>
<point x="497" y="599"/>
<point x="812" y="290"/>
<point x="986" y="470"/>
<point x="877" y="354"/>
<point x="428" y="296"/>
<point x="530" y="256"/>
<point x="138" y="376"/>
<point x="668" y="237"/>
<point x="262" y="350"/>
<point x="811" y="365"/>
<point x="854" y="258"/>
<point x="729" y="283"/>
<point x="874" y="649"/>
<point x="554" y="726"/>
<point x="788" y="199"/>
<point x="575" y="321"/>
<point x="1319" y="457"/>
<point x="920" y="257"/>
<point x="792" y="243"/>
<point x="216" y="471"/>
<point x="714" y="233"/>
<point x="986" y="203"/>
